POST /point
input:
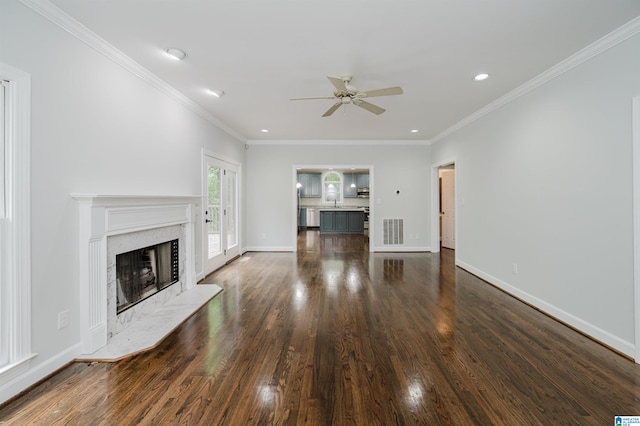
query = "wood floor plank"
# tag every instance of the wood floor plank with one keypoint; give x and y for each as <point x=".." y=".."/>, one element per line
<point x="335" y="335"/>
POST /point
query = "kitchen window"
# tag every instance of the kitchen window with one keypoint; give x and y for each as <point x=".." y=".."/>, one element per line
<point x="332" y="188"/>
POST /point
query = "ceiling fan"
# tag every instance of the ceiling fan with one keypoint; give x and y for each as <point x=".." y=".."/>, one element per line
<point x="348" y="94"/>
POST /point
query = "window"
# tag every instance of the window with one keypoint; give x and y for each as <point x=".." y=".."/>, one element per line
<point x="15" y="261"/>
<point x="332" y="187"/>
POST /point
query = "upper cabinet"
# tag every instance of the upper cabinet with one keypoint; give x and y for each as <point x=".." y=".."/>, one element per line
<point x="349" y="191"/>
<point x="361" y="180"/>
<point x="311" y="184"/>
<point x="303" y="180"/>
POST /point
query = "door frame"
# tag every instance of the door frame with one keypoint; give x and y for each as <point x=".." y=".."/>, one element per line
<point x="203" y="242"/>
<point x="294" y="198"/>
<point x="435" y="205"/>
<point x="442" y="172"/>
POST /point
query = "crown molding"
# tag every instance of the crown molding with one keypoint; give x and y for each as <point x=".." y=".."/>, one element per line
<point x="359" y="142"/>
<point x="76" y="29"/>
<point x="603" y="44"/>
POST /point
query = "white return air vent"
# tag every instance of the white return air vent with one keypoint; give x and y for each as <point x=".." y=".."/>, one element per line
<point x="393" y="230"/>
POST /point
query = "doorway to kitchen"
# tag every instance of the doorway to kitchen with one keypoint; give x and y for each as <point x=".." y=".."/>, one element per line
<point x="332" y="200"/>
<point x="221" y="212"/>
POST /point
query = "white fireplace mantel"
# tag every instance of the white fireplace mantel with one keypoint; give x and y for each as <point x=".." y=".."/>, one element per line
<point x="104" y="215"/>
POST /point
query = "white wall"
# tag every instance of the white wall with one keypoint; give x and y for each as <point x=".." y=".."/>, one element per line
<point x="546" y="182"/>
<point x="270" y="208"/>
<point x="96" y="128"/>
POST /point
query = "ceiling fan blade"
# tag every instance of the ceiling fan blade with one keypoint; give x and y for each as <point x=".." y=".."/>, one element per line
<point x="383" y="92"/>
<point x="369" y="107"/>
<point x="319" y="97"/>
<point x="338" y="83"/>
<point x="333" y="109"/>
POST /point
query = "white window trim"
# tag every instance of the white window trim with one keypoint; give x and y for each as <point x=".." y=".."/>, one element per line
<point x="340" y="190"/>
<point x="16" y="261"/>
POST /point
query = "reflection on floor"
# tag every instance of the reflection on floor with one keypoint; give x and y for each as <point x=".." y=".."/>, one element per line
<point x="313" y="240"/>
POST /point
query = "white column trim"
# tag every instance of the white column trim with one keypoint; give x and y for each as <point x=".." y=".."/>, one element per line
<point x="18" y="231"/>
<point x="636" y="221"/>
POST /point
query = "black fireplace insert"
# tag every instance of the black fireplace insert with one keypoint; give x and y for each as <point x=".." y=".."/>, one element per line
<point x="143" y="272"/>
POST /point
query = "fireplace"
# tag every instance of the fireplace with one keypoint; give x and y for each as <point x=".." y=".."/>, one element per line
<point x="143" y="272"/>
<point x="111" y="228"/>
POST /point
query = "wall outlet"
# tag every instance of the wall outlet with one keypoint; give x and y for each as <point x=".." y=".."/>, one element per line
<point x="63" y="319"/>
<point x="515" y="268"/>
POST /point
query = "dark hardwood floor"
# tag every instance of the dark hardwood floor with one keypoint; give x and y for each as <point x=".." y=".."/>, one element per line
<point x="334" y="335"/>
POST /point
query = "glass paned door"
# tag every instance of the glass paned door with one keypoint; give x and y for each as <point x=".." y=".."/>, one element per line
<point x="231" y="216"/>
<point x="220" y="213"/>
<point x="213" y="218"/>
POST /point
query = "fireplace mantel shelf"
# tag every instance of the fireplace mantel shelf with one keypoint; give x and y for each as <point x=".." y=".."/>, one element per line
<point x="136" y="196"/>
<point x="149" y="332"/>
<point x="108" y="199"/>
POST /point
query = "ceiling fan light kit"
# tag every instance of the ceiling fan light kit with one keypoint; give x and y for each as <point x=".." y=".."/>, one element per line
<point x="348" y="94"/>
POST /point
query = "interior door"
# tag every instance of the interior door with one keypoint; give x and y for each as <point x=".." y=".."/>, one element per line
<point x="220" y="213"/>
<point x="448" y="212"/>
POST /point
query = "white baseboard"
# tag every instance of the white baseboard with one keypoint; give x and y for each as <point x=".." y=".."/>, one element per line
<point x="400" y="249"/>
<point x="39" y="372"/>
<point x="589" y="329"/>
<point x="270" y="248"/>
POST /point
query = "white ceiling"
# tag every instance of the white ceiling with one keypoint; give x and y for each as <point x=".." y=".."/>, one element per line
<point x="263" y="52"/>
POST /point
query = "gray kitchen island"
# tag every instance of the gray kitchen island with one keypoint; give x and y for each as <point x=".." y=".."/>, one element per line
<point x="342" y="220"/>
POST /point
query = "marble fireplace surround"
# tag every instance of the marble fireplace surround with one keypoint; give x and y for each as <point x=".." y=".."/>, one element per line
<point x="123" y="243"/>
<point x="105" y="216"/>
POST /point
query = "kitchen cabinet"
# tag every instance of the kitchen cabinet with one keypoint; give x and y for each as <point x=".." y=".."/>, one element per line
<point x="315" y="185"/>
<point x="311" y="184"/>
<point x="356" y="222"/>
<point x="342" y="221"/>
<point x="302" y="218"/>
<point x="363" y="180"/>
<point x="327" y="221"/>
<point x="350" y="192"/>
<point x="303" y="180"/>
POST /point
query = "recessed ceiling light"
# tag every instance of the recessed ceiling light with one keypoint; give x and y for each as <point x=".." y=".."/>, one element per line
<point x="481" y="77"/>
<point x="414" y="131"/>
<point x="176" y="53"/>
<point x="265" y="130"/>
<point x="217" y="93"/>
